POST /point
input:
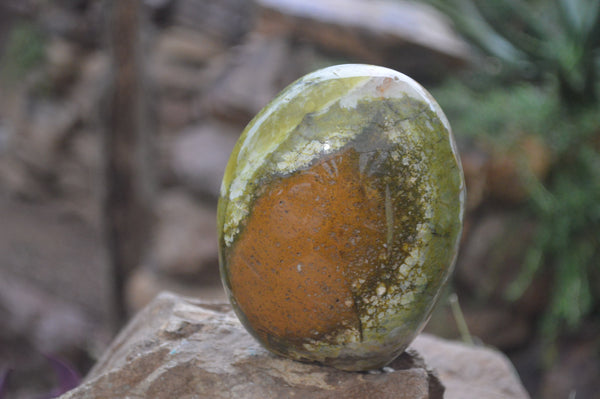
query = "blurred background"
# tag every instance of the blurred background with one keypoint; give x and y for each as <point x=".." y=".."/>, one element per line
<point x="117" y="119"/>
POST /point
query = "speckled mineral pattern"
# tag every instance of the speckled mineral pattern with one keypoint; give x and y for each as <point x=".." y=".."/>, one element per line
<point x="340" y="215"/>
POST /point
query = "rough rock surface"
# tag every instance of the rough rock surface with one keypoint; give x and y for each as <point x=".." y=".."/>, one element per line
<point x="185" y="239"/>
<point x="251" y="77"/>
<point x="200" y="154"/>
<point x="186" y="348"/>
<point x="403" y="35"/>
<point x="469" y="372"/>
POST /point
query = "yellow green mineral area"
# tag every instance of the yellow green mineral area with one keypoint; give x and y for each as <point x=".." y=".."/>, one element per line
<point x="340" y="215"/>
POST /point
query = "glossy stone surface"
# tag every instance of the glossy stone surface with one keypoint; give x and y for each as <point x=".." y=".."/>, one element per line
<point x="339" y="218"/>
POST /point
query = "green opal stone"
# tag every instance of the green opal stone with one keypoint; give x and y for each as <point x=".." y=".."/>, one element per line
<point x="340" y="215"/>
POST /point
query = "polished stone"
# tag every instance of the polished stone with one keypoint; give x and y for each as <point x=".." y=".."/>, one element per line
<point x="339" y="217"/>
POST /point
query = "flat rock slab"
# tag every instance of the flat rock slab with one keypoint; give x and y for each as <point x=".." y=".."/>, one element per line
<point x="405" y="35"/>
<point x="186" y="348"/>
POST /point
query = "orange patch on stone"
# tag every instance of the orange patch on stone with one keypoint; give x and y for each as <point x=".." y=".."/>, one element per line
<point x="308" y="238"/>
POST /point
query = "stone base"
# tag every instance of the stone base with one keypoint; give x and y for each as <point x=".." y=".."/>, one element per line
<point x="186" y="348"/>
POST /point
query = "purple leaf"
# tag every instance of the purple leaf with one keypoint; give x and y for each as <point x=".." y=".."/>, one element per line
<point x="68" y="378"/>
<point x="3" y="381"/>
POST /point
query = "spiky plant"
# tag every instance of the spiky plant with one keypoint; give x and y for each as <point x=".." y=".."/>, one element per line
<point x="553" y="43"/>
<point x="559" y="39"/>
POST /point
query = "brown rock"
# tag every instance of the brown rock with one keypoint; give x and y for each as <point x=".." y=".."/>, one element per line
<point x="500" y="326"/>
<point x="62" y="63"/>
<point x="491" y="256"/>
<point x="407" y="36"/>
<point x="225" y="21"/>
<point x="199" y="156"/>
<point x="250" y="78"/>
<point x="474" y="165"/>
<point x="51" y="324"/>
<point x="470" y="372"/>
<point x="141" y="288"/>
<point x="186" y="46"/>
<point x="178" y="60"/>
<point x="188" y="348"/>
<point x="490" y="264"/>
<point x="44" y="244"/>
<point x="185" y="240"/>
<point x="577" y="367"/>
<point x="145" y="284"/>
<point x="44" y="128"/>
<point x="16" y="181"/>
<point x="510" y="170"/>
